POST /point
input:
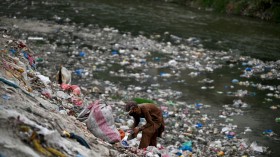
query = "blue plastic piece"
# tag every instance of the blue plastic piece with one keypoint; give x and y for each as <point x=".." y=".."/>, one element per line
<point x="13" y="51"/>
<point x="79" y="139"/>
<point x="8" y="82"/>
<point x="114" y="52"/>
<point x="248" y="69"/>
<point x="79" y="72"/>
<point x="198" y="125"/>
<point x="125" y="144"/>
<point x="268" y="131"/>
<point x="82" y="54"/>
<point x="198" y="106"/>
<point x="179" y="153"/>
<point x="230" y="136"/>
<point x="186" y="146"/>
<point x="162" y="73"/>
<point x="165" y="114"/>
<point x="156" y="59"/>
<point x="25" y="54"/>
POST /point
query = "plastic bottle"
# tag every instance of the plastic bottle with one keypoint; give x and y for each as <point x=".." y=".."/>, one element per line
<point x="39" y="60"/>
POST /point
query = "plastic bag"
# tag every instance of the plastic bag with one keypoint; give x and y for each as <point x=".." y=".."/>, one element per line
<point x="100" y="122"/>
<point x="63" y="76"/>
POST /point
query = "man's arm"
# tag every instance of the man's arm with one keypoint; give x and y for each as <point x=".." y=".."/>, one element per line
<point x="136" y="121"/>
<point x="148" y="119"/>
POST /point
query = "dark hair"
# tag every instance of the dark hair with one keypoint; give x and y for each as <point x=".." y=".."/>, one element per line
<point x="130" y="105"/>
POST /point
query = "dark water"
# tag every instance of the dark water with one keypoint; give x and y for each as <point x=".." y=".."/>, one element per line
<point x="244" y="36"/>
<point x="241" y="35"/>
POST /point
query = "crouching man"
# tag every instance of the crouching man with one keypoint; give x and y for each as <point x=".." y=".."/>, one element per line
<point x="154" y="126"/>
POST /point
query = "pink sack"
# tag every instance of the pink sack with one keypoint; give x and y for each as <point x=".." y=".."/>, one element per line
<point x="76" y="90"/>
<point x="65" y="86"/>
<point x="100" y="122"/>
<point x="77" y="101"/>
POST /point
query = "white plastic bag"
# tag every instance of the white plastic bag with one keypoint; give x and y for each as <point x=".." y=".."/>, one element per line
<point x="100" y="122"/>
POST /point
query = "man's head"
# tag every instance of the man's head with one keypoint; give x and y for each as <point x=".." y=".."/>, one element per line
<point x="132" y="108"/>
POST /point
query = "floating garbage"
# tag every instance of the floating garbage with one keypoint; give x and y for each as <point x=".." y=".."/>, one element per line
<point x="79" y="72"/>
<point x="254" y="146"/>
<point x="277" y="120"/>
<point x="268" y="132"/>
<point x="35" y="38"/>
<point x="163" y="74"/>
<point x="82" y="54"/>
<point x="248" y="69"/>
<point x="235" y="81"/>
<point x="114" y="52"/>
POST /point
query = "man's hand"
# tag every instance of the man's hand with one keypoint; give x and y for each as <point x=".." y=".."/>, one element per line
<point x="136" y="131"/>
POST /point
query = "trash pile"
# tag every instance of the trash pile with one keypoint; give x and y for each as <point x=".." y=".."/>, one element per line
<point x="37" y="115"/>
<point x="147" y="67"/>
<point x="190" y="133"/>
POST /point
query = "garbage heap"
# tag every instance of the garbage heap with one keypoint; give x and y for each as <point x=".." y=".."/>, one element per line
<point x="38" y="118"/>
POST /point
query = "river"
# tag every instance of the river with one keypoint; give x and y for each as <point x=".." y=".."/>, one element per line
<point x="239" y="35"/>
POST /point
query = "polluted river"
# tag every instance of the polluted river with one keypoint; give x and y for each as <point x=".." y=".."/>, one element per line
<point x="190" y="62"/>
